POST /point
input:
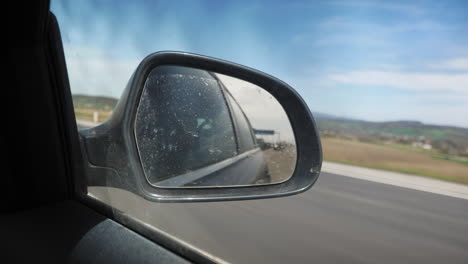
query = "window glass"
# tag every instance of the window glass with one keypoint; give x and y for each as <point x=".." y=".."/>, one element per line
<point x="386" y="82"/>
<point x="175" y="131"/>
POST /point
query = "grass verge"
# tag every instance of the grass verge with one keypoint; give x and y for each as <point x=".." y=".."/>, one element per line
<point x="388" y="158"/>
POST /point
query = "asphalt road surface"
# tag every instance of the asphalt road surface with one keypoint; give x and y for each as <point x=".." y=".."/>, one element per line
<point x="339" y="220"/>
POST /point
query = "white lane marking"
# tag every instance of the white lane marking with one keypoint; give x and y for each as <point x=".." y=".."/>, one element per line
<point x="398" y="179"/>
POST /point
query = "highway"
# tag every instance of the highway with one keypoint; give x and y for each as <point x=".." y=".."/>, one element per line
<point x="340" y="220"/>
<point x="367" y="216"/>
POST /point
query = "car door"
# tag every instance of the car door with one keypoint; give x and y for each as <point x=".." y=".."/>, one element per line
<point x="255" y="163"/>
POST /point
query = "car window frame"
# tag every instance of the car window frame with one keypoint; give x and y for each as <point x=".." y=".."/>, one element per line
<point x="79" y="182"/>
<point x="236" y="118"/>
<point x="224" y="92"/>
<point x="76" y="160"/>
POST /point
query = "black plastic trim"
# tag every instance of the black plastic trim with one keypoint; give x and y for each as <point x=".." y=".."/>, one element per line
<point x="72" y="150"/>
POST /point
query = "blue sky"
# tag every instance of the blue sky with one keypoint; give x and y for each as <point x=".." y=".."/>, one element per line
<point x="372" y="60"/>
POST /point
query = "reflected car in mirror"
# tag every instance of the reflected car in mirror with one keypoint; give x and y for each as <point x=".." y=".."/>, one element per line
<point x="192" y="132"/>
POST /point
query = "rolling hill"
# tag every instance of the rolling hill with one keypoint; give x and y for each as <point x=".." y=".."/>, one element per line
<point x="100" y="103"/>
<point x="448" y="139"/>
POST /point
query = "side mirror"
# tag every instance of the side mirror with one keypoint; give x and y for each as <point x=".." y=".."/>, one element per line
<point x="195" y="128"/>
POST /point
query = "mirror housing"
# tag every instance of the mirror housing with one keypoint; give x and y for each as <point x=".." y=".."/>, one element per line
<point x="113" y="159"/>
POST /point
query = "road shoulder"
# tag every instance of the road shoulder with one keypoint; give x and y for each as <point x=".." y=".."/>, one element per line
<point x="398" y="179"/>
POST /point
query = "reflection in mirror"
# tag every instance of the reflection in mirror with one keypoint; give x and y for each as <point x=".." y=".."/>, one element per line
<point x="196" y="128"/>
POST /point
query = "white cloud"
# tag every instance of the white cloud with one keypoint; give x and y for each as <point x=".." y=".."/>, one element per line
<point x="94" y="72"/>
<point x="411" y="81"/>
<point x="384" y="5"/>
<point x="453" y="64"/>
<point x="347" y="23"/>
<point x="348" y="30"/>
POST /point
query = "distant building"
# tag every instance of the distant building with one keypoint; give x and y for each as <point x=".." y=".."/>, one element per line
<point x="424" y="145"/>
<point x="427" y="146"/>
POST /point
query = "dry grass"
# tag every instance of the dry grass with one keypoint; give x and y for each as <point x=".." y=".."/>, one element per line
<point x="281" y="163"/>
<point x="394" y="159"/>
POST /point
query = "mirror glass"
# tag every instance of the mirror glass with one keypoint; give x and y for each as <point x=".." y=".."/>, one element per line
<point x="196" y="128"/>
